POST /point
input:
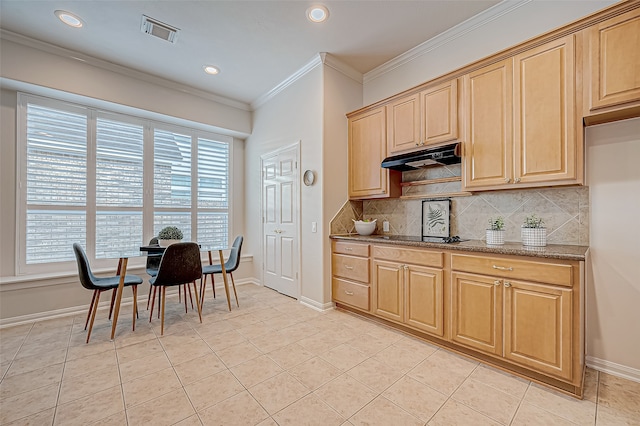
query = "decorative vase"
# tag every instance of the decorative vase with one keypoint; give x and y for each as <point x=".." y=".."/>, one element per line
<point x="167" y="243"/>
<point x="535" y="237"/>
<point x="495" y="237"/>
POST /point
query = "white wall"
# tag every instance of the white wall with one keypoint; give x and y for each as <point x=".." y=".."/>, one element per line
<point x="295" y="114"/>
<point x="34" y="296"/>
<point x="613" y="290"/>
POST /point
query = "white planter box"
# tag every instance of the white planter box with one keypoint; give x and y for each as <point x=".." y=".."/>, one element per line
<point x="495" y="237"/>
<point x="535" y="237"/>
<point x="167" y="243"/>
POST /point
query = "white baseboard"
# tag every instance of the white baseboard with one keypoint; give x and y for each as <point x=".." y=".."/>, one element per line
<point x="321" y="307"/>
<point x="614" y="369"/>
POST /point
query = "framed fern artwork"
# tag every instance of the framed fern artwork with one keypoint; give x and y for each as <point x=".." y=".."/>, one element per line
<point x="435" y="217"/>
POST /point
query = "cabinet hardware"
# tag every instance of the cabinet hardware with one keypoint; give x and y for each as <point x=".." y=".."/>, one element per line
<point x="348" y="248"/>
<point x="516" y="180"/>
<point x="503" y="268"/>
<point x="348" y="293"/>
<point x="507" y="180"/>
<point x="507" y="284"/>
<point x="496" y="282"/>
<point x="348" y="267"/>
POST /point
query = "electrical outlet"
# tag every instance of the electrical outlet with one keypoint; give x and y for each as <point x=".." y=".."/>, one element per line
<point x="385" y="226"/>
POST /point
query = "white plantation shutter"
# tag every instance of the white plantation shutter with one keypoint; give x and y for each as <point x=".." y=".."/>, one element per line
<point x="84" y="178"/>
<point x="213" y="192"/>
<point x="119" y="182"/>
<point x="172" y="169"/>
<point x="56" y="174"/>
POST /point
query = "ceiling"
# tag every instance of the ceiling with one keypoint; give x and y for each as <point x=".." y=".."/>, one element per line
<point x="256" y="44"/>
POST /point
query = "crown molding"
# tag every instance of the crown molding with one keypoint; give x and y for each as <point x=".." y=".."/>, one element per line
<point x="129" y="72"/>
<point x="479" y="20"/>
<point x="318" y="59"/>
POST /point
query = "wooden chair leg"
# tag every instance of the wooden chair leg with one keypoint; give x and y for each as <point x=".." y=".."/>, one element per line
<point x="159" y="297"/>
<point x="233" y="284"/>
<point x="188" y="287"/>
<point x="164" y="297"/>
<point x="149" y="296"/>
<point x="134" y="289"/>
<point x="93" y="314"/>
<point x="153" y="301"/>
<point x="197" y="302"/>
<point x="185" y="296"/>
<point x="203" y="287"/>
<point x="93" y="299"/>
<point x="113" y="299"/>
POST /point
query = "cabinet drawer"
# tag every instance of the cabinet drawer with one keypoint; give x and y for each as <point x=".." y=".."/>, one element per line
<point x="354" y="249"/>
<point x="350" y="293"/>
<point x="550" y="273"/>
<point x="354" y="268"/>
<point x="404" y="255"/>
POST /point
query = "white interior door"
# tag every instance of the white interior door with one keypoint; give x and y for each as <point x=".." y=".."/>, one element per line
<point x="280" y="220"/>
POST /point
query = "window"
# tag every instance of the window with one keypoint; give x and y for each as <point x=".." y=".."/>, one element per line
<point x="111" y="181"/>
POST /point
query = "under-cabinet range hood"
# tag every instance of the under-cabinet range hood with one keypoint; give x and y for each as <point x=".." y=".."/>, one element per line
<point x="439" y="156"/>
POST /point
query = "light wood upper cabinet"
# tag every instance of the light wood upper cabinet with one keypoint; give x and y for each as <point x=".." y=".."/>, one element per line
<point x="613" y="69"/>
<point x="545" y="140"/>
<point x="367" y="149"/>
<point x="403" y="124"/>
<point x="489" y="128"/>
<point x="521" y="121"/>
<point x="439" y="106"/>
<point x="424" y="118"/>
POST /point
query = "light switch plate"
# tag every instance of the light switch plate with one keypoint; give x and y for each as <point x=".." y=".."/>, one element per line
<point x="314" y="226"/>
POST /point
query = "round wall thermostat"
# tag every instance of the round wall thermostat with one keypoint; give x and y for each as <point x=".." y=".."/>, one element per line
<point x="309" y="177"/>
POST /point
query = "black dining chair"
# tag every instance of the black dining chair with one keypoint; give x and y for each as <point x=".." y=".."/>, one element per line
<point x="100" y="284"/>
<point x="230" y="265"/>
<point x="180" y="264"/>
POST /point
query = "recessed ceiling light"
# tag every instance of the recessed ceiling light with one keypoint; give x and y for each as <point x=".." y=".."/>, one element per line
<point x="210" y="69"/>
<point x="317" y="13"/>
<point x="69" y="18"/>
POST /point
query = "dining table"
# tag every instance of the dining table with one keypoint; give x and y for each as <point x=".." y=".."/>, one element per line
<point x="158" y="250"/>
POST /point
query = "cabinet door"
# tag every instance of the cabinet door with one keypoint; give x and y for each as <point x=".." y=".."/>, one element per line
<point x="367" y="149"/>
<point x="477" y="312"/>
<point x="488" y="148"/>
<point x="538" y="326"/>
<point x="615" y="61"/>
<point x="424" y="299"/>
<point x="403" y="124"/>
<point x="545" y="142"/>
<point x="439" y="105"/>
<point x="387" y="285"/>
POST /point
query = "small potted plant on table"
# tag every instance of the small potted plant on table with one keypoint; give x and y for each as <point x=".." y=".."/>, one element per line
<point x="495" y="231"/>
<point x="169" y="235"/>
<point x="533" y="232"/>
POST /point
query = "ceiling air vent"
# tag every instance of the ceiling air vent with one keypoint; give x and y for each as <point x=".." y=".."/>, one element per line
<point x="159" y="29"/>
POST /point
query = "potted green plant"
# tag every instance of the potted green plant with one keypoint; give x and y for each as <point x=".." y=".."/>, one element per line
<point x="169" y="235"/>
<point x="533" y="231"/>
<point x="495" y="231"/>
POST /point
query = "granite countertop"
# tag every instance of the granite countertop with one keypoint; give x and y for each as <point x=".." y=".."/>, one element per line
<point x="551" y="251"/>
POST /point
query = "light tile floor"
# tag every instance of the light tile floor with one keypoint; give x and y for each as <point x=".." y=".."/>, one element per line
<point x="272" y="362"/>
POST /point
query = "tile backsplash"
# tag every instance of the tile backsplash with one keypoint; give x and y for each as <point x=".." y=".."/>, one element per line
<point x="565" y="212"/>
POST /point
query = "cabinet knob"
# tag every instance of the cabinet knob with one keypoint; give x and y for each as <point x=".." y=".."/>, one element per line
<point x="503" y="268"/>
<point x="507" y="180"/>
<point x="507" y="284"/>
<point x="496" y="282"/>
<point x="516" y="180"/>
<point x="417" y="143"/>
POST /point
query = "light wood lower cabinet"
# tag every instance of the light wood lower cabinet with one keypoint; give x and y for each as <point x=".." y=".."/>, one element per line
<point x="522" y="313"/>
<point x="407" y="293"/>
<point x="529" y="323"/>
